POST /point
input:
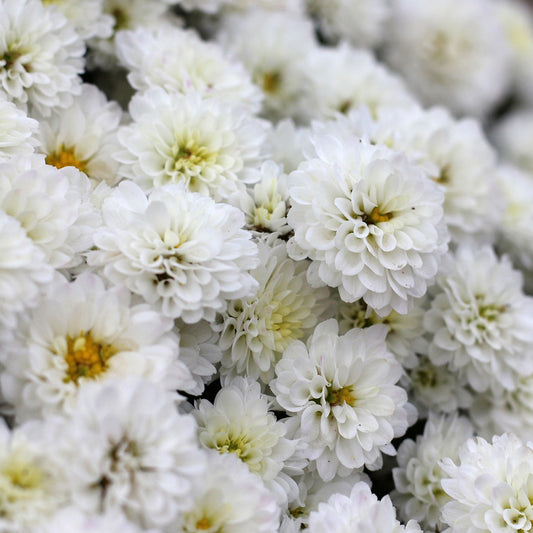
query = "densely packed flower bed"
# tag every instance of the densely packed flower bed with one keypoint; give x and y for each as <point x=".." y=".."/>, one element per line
<point x="265" y="266"/>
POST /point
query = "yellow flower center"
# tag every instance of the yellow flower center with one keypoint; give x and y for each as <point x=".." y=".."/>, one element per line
<point x="341" y="396"/>
<point x="203" y="524"/>
<point x="86" y="358"/>
<point x="65" y="157"/>
<point x="271" y="82"/>
<point x="23" y="475"/>
<point x="376" y="216"/>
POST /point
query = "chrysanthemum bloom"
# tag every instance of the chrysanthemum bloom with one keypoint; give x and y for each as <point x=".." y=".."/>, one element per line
<point x="256" y="330"/>
<point x="86" y="16"/>
<point x="403" y="336"/>
<point x="490" y="487"/>
<point x="205" y="144"/>
<point x="80" y="332"/>
<point x="33" y="483"/>
<point x="40" y="56"/>
<point x="265" y="206"/>
<point x="83" y="136"/>
<point x="345" y="78"/>
<point x="371" y="222"/>
<point x="343" y="389"/>
<point x="274" y="47"/>
<point x="128" y="448"/>
<point x="358" y="513"/>
<point x="481" y="321"/>
<point x="182" y="252"/>
<point x="419" y="494"/>
<point x="72" y="518"/>
<point x="362" y="22"/>
<point x="437" y="388"/>
<point x="53" y="207"/>
<point x="450" y="53"/>
<point x="240" y="422"/>
<point x="231" y="499"/>
<point x="456" y="155"/>
<point x="178" y="60"/>
<point x="24" y="272"/>
<point x="17" y="130"/>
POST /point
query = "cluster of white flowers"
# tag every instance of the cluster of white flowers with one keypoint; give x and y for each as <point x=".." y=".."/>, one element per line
<point x="266" y="266"/>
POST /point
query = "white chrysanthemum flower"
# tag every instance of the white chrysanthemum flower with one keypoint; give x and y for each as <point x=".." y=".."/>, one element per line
<point x="344" y="391"/>
<point x="490" y="487"/>
<point x="71" y="518"/>
<point x="513" y="136"/>
<point x="32" y="483"/>
<point x="80" y="332"/>
<point x="345" y="78"/>
<point x="480" y="320"/>
<point x="456" y="155"/>
<point x="419" y="494"/>
<point x="403" y="336"/>
<point x="359" y="512"/>
<point x="182" y="252"/>
<point x="362" y="22"/>
<point x="200" y="352"/>
<point x="178" y="60"/>
<point x="287" y="143"/>
<point x="507" y="412"/>
<point x="205" y="144"/>
<point x="86" y="16"/>
<point x="516" y="229"/>
<point x="449" y="53"/>
<point x="17" y="130"/>
<point x="256" y="330"/>
<point x="83" y="136"/>
<point x="370" y="221"/>
<point x="40" y="55"/>
<point x="231" y="499"/>
<point x="52" y="206"/>
<point x="126" y="15"/>
<point x="273" y="46"/>
<point x="436" y="388"/>
<point x="128" y="448"/>
<point x="24" y="272"/>
<point x="240" y="422"/>
<point x="266" y="205"/>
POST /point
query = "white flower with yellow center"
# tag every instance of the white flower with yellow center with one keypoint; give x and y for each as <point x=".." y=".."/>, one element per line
<point x="24" y="271"/>
<point x="182" y="252"/>
<point x="129" y="449"/>
<point x="82" y="332"/>
<point x="343" y="389"/>
<point x="419" y="494"/>
<point x="32" y="479"/>
<point x="274" y="47"/>
<point x="231" y="500"/>
<point x="52" y="206"/>
<point x="40" y="56"/>
<point x="239" y="422"/>
<point x="83" y="136"/>
<point x="490" y="486"/>
<point x="346" y="78"/>
<point x="206" y="144"/>
<point x="256" y="330"/>
<point x="17" y="130"/>
<point x="458" y="55"/>
<point x="481" y="321"/>
<point x="371" y="221"/>
<point x="359" y="512"/>
<point x="86" y="16"/>
<point x="178" y="60"/>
